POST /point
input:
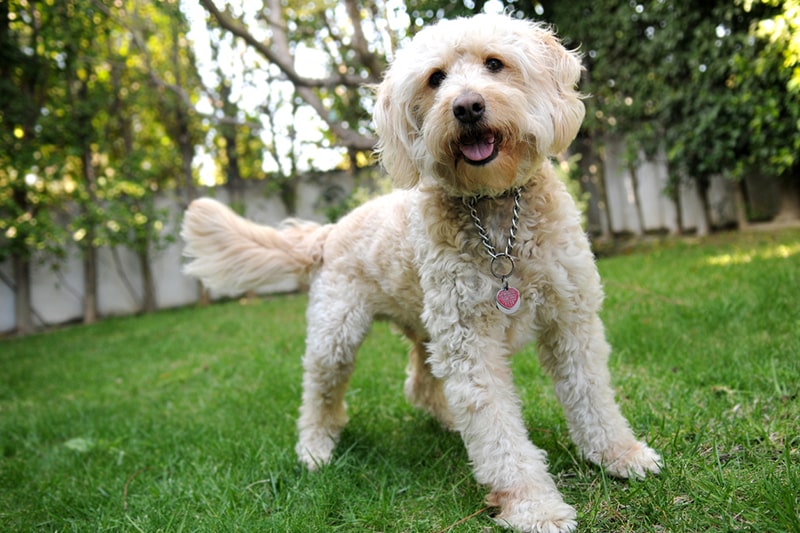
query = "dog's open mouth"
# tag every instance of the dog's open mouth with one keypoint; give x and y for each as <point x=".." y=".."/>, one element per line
<point x="479" y="148"/>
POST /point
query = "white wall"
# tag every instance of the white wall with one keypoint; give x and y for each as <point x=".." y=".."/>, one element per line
<point x="56" y="293"/>
<point x="658" y="210"/>
<point x="6" y="298"/>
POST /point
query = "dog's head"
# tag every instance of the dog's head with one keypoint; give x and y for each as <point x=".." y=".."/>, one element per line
<point x="477" y="104"/>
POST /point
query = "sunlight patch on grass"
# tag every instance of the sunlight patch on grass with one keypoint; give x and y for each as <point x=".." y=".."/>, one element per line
<point x="740" y="257"/>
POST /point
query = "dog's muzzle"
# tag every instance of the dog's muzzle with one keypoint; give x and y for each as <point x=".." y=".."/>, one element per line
<point x="477" y="145"/>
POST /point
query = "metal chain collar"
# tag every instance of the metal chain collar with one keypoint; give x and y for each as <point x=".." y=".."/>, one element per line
<point x="502" y="263"/>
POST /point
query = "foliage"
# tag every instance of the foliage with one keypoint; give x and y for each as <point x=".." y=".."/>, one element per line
<point x="710" y="83"/>
<point x="185" y="419"/>
<point x="87" y="123"/>
<point x="698" y="78"/>
<point x="782" y="31"/>
<point x="28" y="136"/>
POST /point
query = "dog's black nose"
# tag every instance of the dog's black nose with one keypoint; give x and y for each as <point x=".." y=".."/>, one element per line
<point x="469" y="107"/>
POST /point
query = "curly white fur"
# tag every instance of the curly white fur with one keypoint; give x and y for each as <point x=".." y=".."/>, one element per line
<point x="415" y="257"/>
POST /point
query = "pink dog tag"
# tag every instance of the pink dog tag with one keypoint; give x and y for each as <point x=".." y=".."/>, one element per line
<point x="508" y="300"/>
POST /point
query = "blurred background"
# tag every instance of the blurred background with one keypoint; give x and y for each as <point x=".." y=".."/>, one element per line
<point x="114" y="114"/>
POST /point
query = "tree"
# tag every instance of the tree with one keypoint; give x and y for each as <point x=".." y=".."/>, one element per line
<point x="348" y="43"/>
<point x="699" y="80"/>
<point x="338" y="97"/>
<point x="236" y="141"/>
<point x="96" y="117"/>
<point x="147" y="127"/>
<point x="769" y="81"/>
<point x="781" y="29"/>
<point x="30" y="191"/>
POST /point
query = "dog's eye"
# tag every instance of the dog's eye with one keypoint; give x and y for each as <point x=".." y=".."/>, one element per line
<point x="494" y="65"/>
<point x="436" y="79"/>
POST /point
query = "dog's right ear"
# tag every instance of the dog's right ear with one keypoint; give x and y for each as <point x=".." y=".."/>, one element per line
<point x="396" y="133"/>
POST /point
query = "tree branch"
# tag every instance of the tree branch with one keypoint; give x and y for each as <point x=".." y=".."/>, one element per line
<point x="279" y="54"/>
<point x="282" y="59"/>
<point x="358" y="41"/>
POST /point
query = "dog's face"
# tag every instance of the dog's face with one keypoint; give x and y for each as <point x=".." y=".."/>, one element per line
<point x="477" y="104"/>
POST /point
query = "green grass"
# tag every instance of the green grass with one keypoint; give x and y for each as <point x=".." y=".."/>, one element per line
<point x="185" y="420"/>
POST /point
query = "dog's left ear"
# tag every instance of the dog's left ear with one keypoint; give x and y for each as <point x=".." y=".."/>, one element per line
<point x="396" y="132"/>
<point x="567" y="109"/>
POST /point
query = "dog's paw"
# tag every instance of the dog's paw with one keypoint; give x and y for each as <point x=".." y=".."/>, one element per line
<point x="634" y="461"/>
<point x="315" y="453"/>
<point x="538" y="517"/>
<point x="545" y="514"/>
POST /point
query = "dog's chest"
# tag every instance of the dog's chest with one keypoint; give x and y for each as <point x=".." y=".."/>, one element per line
<point x="455" y="255"/>
<point x="495" y="266"/>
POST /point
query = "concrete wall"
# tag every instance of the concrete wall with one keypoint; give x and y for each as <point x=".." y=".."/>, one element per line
<point x="57" y="289"/>
<point x="658" y="211"/>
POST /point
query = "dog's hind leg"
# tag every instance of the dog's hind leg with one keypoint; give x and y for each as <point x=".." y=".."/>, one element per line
<point x="575" y="354"/>
<point x="422" y="389"/>
<point x="337" y="324"/>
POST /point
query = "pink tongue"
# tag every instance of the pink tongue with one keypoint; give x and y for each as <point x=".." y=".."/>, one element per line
<point x="479" y="150"/>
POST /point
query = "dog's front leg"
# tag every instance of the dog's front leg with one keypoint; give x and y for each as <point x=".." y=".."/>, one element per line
<point x="486" y="411"/>
<point x="575" y="353"/>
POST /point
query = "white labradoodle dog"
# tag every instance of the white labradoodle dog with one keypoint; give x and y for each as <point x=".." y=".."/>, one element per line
<point x="480" y="253"/>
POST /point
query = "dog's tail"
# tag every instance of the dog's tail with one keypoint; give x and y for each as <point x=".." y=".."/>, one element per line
<point x="233" y="255"/>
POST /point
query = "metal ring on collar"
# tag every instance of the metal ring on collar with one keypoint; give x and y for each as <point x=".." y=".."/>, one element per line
<point x="503" y="268"/>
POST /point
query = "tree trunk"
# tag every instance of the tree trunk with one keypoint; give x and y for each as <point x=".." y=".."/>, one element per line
<point x="674" y="189"/>
<point x="187" y="154"/>
<point x="90" y="281"/>
<point x="288" y="195"/>
<point x="148" y="287"/>
<point x="90" y="252"/>
<point x="598" y="219"/>
<point x="233" y="173"/>
<point x="741" y="206"/>
<point x="636" y="199"/>
<point x="678" y="211"/>
<point x="702" y="193"/>
<point x="22" y="295"/>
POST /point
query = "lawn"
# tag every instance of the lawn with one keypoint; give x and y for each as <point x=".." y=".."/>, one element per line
<point x="184" y="420"/>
